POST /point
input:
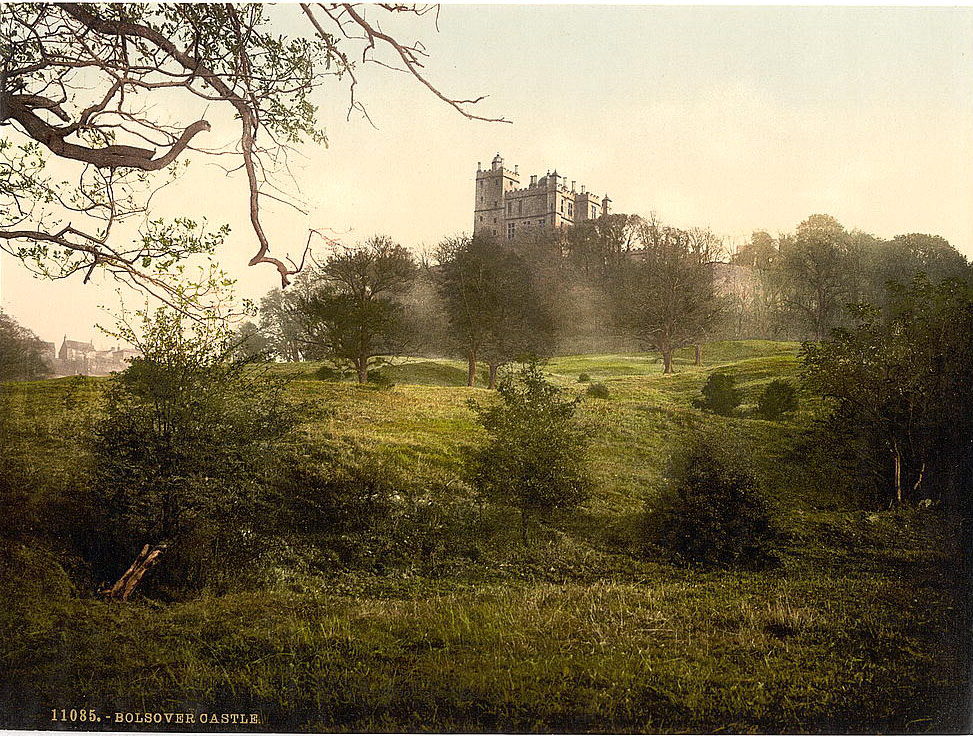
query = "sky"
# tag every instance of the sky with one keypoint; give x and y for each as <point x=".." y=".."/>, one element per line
<point x="732" y="118"/>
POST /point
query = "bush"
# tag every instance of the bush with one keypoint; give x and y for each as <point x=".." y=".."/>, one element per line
<point x="598" y="391"/>
<point x="777" y="398"/>
<point x="380" y="380"/>
<point x="534" y="456"/>
<point x="719" y="395"/>
<point x="584" y="378"/>
<point x="328" y="373"/>
<point x="351" y="510"/>
<point x="183" y="454"/>
<point x="711" y="511"/>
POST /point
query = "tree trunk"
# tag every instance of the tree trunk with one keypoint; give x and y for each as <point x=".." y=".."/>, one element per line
<point x="362" y="368"/>
<point x="493" y="376"/>
<point x="471" y="369"/>
<point x="699" y="354"/>
<point x="127" y="583"/>
<point x="667" y="361"/>
<point x="898" y="472"/>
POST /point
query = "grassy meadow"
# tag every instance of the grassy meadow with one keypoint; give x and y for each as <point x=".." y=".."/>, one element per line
<point x="860" y="625"/>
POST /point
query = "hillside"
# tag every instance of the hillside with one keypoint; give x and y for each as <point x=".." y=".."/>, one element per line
<point x="453" y="625"/>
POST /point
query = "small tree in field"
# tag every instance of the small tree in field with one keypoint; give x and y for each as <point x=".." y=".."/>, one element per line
<point x="181" y="456"/>
<point x="356" y="318"/>
<point x="777" y="398"/>
<point x="720" y="396"/>
<point x="711" y="511"/>
<point x="534" y="457"/>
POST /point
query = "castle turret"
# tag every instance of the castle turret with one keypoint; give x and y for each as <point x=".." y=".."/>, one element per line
<point x="490" y="198"/>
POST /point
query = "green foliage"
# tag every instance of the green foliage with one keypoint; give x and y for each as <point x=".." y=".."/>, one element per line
<point x="22" y="354"/>
<point x="777" y="398"/>
<point x="534" y="456"/>
<point x="712" y="512"/>
<point x="355" y="511"/>
<point x="720" y="396"/>
<point x="352" y="313"/>
<point x="598" y="391"/>
<point x="381" y="379"/>
<point x="182" y="454"/>
<point x="492" y="302"/>
<point x="584" y="378"/>
<point x="902" y="394"/>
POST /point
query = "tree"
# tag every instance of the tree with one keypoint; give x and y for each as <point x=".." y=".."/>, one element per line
<point x="902" y="392"/>
<point x="182" y="455"/>
<point x="355" y="318"/>
<point x="286" y="320"/>
<point x="121" y="95"/>
<point x="22" y="354"/>
<point x="720" y="396"/>
<point x="494" y="310"/>
<point x="250" y="343"/>
<point x="534" y="457"/>
<point x="901" y="258"/>
<point x="818" y="273"/>
<point x="665" y="295"/>
<point x="711" y="511"/>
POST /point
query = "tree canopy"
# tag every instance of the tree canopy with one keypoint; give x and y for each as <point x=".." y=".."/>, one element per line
<point x="125" y="93"/>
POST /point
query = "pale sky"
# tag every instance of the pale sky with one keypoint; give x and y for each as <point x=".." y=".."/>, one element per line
<point x="731" y="118"/>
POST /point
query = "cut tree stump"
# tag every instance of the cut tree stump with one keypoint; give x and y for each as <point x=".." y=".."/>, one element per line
<point x="123" y="589"/>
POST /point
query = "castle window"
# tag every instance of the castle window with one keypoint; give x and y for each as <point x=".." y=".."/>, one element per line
<point x="511" y="229"/>
<point x="541" y="221"/>
<point x="594" y="212"/>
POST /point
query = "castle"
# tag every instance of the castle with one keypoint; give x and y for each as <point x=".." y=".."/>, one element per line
<point x="503" y="208"/>
<point x="81" y="358"/>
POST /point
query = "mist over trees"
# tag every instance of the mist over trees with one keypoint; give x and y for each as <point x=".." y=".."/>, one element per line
<point x="22" y="354"/>
<point x="616" y="284"/>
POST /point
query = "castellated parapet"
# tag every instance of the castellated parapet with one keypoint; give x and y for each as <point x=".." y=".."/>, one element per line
<point x="503" y="208"/>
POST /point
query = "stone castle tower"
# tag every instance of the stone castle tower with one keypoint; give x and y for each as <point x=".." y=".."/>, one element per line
<point x="503" y="208"/>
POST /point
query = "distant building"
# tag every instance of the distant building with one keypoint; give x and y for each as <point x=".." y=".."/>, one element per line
<point x="503" y="208"/>
<point x="81" y="359"/>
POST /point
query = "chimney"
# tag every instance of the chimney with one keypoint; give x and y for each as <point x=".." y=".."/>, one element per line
<point x="573" y="183"/>
<point x="582" y="188"/>
<point x="479" y="166"/>
<point x="517" y="169"/>
<point x="533" y="180"/>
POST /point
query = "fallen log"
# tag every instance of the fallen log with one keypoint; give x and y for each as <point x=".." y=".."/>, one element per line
<point x="126" y="584"/>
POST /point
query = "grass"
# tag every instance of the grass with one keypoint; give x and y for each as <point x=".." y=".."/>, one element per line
<point x="860" y="627"/>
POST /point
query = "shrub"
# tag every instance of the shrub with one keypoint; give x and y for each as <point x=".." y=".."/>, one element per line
<point x="777" y="398"/>
<point x="182" y="456"/>
<point x="352" y="510"/>
<point x="584" y="378"/>
<point x="719" y="395"/>
<point x="711" y="511"/>
<point x="328" y="373"/>
<point x="598" y="391"/>
<point x="534" y="456"/>
<point x="380" y="380"/>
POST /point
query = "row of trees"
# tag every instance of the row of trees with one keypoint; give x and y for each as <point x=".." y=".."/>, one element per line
<point x="23" y="356"/>
<point x="621" y="282"/>
<point x="493" y="302"/>
<point x="802" y="281"/>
